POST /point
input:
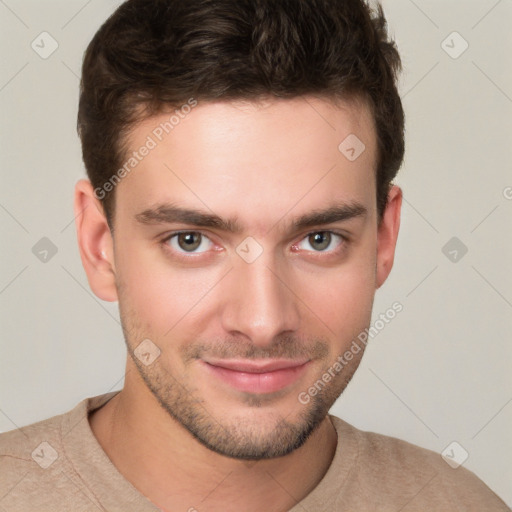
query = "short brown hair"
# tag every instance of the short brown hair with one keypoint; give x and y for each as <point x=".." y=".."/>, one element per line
<point x="153" y="55"/>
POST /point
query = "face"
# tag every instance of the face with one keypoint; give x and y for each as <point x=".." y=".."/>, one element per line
<point x="245" y="251"/>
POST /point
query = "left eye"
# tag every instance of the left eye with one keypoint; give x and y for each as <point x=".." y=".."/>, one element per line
<point x="320" y="240"/>
<point x="189" y="241"/>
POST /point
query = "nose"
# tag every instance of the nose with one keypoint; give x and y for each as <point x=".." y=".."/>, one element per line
<point x="258" y="302"/>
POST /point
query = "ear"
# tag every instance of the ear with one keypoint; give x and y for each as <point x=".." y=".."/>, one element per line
<point x="387" y="234"/>
<point x="95" y="242"/>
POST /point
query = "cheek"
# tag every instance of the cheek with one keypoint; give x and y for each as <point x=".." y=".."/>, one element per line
<point x="161" y="295"/>
<point x="343" y="297"/>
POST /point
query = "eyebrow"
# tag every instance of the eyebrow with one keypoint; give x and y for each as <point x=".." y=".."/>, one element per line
<point x="171" y="213"/>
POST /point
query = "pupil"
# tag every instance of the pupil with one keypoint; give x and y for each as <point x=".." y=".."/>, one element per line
<point x="188" y="239"/>
<point x="318" y="237"/>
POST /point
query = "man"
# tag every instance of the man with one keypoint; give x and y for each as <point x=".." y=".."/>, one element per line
<point x="241" y="210"/>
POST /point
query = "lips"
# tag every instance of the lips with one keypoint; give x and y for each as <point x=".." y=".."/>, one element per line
<point x="257" y="376"/>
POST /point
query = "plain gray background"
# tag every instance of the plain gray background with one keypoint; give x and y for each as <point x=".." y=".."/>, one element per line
<point x="439" y="372"/>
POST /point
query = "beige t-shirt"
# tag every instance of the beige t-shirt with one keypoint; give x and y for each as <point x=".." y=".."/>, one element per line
<point x="57" y="465"/>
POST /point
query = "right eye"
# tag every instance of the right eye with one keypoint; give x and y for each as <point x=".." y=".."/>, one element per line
<point x="188" y="242"/>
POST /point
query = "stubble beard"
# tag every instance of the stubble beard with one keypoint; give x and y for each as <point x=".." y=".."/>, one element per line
<point x="241" y="437"/>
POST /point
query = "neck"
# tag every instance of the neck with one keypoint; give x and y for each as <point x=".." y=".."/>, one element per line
<point x="176" y="472"/>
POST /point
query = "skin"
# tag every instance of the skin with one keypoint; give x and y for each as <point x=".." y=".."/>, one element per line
<point x="208" y="445"/>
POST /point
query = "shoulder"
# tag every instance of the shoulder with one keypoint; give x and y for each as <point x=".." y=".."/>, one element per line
<point x="415" y="475"/>
<point x="35" y="443"/>
<point x="35" y="470"/>
<point x="29" y="458"/>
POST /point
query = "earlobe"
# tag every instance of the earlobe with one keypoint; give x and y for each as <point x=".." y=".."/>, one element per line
<point x="95" y="242"/>
<point x="387" y="235"/>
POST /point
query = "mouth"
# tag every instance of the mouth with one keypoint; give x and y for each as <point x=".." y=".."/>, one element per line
<point x="257" y="376"/>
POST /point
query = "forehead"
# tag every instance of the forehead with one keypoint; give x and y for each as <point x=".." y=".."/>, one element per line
<point x="255" y="159"/>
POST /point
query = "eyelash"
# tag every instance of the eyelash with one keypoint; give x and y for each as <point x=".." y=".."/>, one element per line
<point x="187" y="255"/>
